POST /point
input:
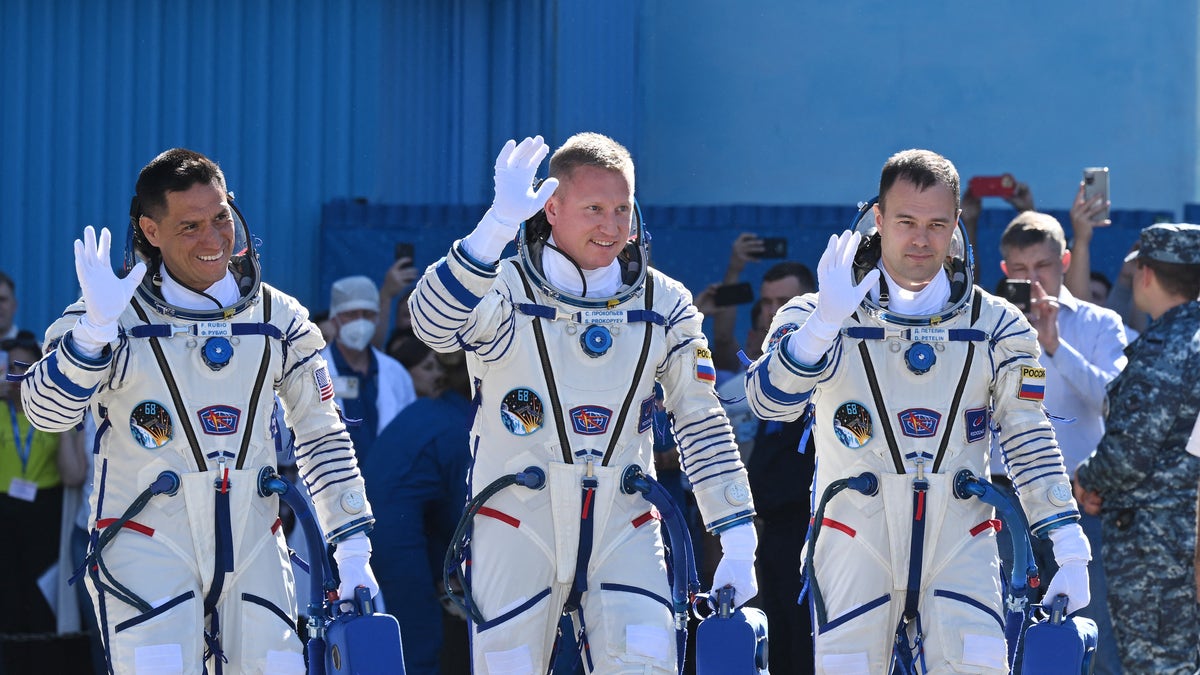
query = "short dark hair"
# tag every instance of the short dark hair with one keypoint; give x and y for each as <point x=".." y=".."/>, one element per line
<point x="1031" y="228"/>
<point x="788" y="268"/>
<point x="175" y="170"/>
<point x="923" y="168"/>
<point x="1175" y="278"/>
<point x="5" y="279"/>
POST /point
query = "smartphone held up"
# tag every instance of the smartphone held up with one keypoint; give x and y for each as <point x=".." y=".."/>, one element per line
<point x="993" y="186"/>
<point x="1095" y="184"/>
<point x="1019" y="293"/>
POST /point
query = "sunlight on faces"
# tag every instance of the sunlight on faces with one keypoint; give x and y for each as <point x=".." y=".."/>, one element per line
<point x="916" y="228"/>
<point x="1040" y="263"/>
<point x="774" y="295"/>
<point x="591" y="214"/>
<point x="195" y="236"/>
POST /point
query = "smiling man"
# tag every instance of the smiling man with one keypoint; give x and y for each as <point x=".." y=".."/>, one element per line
<point x="565" y="342"/>
<point x="181" y="362"/>
<point x="897" y="362"/>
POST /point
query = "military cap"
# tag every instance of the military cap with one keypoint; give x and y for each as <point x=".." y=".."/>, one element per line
<point x="1170" y="243"/>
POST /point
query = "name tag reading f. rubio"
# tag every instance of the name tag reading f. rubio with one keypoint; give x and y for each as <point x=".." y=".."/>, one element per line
<point x="214" y="329"/>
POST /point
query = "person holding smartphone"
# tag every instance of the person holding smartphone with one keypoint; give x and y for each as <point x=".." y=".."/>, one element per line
<point x="902" y="364"/>
<point x="1082" y="351"/>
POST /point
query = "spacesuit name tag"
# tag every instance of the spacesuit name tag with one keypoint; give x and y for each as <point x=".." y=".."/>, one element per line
<point x="213" y="329"/>
<point x="603" y="316"/>
<point x="929" y="334"/>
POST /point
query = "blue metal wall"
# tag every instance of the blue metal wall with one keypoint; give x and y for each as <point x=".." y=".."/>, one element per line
<point x="404" y="102"/>
<point x="300" y="101"/>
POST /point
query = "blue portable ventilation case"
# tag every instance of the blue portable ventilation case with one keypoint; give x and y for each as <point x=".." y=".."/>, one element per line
<point x="361" y="642"/>
<point x="732" y="641"/>
<point x="1059" y="645"/>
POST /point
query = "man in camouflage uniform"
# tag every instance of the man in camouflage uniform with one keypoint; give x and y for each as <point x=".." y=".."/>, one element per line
<point x="1141" y="472"/>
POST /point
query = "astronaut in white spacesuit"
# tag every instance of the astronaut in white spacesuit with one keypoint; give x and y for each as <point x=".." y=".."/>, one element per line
<point x="564" y="343"/>
<point x="902" y="365"/>
<point x="180" y="362"/>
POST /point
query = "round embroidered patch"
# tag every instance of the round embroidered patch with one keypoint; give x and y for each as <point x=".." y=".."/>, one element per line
<point x="780" y="333"/>
<point x="151" y="425"/>
<point x="522" y="411"/>
<point x="852" y="424"/>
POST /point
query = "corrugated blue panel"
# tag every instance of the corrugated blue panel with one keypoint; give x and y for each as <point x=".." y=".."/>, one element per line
<point x="401" y="102"/>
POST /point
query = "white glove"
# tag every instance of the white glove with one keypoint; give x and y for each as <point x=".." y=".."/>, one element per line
<point x="353" y="558"/>
<point x="1072" y="553"/>
<point x="104" y="294"/>
<point x="515" y="200"/>
<point x="837" y="298"/>
<point x="736" y="568"/>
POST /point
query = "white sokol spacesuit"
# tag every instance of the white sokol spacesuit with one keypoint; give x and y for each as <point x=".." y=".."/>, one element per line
<point x="910" y="399"/>
<point x="199" y="579"/>
<point x="566" y="384"/>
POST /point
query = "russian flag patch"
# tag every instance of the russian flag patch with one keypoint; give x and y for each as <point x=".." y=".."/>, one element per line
<point x="705" y="370"/>
<point x="324" y="383"/>
<point x="1033" y="384"/>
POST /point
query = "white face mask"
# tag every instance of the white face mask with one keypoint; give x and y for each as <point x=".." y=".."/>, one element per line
<point x="356" y="334"/>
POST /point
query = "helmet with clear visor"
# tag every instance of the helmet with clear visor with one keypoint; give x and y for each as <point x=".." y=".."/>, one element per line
<point x="634" y="259"/>
<point x="243" y="263"/>
<point x="959" y="266"/>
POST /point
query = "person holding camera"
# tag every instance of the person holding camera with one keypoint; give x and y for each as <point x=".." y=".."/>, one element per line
<point x="898" y="361"/>
<point x="565" y="342"/>
<point x="1142" y="481"/>
<point x="1082" y="351"/>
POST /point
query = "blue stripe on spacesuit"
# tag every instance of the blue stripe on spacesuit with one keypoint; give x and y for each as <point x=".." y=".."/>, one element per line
<point x="480" y="268"/>
<point x="66" y="415"/>
<point x="515" y="611"/>
<point x="775" y="394"/>
<point x="1045" y="525"/>
<point x="501" y="342"/>
<point x="951" y="595"/>
<point x="854" y="613"/>
<point x="300" y="363"/>
<point x="626" y="588"/>
<point x="64" y="383"/>
<point x="455" y="287"/>
<point x="92" y="363"/>
<point x="682" y="345"/>
<point x="166" y="606"/>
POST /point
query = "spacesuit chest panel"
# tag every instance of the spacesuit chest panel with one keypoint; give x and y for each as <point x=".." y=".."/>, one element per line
<point x="919" y="407"/>
<point x="516" y="406"/>
<point x="150" y="408"/>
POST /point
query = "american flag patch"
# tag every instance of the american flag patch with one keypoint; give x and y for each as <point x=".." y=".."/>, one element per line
<point x="324" y="383"/>
<point x="1033" y="384"/>
<point x="705" y="370"/>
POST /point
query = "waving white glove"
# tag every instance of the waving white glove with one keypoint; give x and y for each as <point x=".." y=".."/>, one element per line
<point x="1072" y="553"/>
<point x="515" y="200"/>
<point x="353" y="558"/>
<point x="837" y="298"/>
<point x="104" y="294"/>
<point x="736" y="568"/>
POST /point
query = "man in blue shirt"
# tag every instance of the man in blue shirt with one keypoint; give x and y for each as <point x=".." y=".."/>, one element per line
<point x="1082" y="351"/>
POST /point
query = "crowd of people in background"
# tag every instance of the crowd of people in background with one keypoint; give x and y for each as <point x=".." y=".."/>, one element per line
<point x="409" y="410"/>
